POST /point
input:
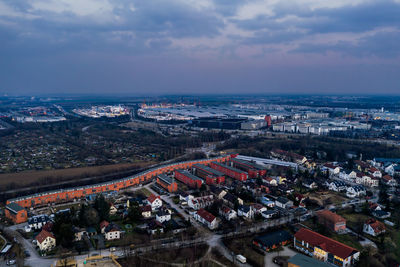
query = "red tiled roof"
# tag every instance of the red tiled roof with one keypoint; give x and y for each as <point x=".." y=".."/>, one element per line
<point x="330" y="166"/>
<point x="387" y="177"/>
<point x="145" y="208"/>
<point x="327" y="244"/>
<point x="48" y="226"/>
<point x="373" y="169"/>
<point x="376" y="225"/>
<point x="152" y="197"/>
<point x="225" y="209"/>
<point x="333" y="217"/>
<point x="206" y="215"/>
<point x="104" y="224"/>
<point x="43" y="235"/>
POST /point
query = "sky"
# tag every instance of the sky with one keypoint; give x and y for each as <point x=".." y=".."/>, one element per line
<point x="199" y="46"/>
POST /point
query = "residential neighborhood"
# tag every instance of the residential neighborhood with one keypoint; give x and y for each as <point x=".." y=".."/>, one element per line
<point x="179" y="205"/>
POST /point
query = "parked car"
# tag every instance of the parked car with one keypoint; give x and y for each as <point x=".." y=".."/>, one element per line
<point x="11" y="262"/>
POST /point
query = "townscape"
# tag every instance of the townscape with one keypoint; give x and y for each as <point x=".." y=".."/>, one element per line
<point x="220" y="206"/>
<point x="199" y="133"/>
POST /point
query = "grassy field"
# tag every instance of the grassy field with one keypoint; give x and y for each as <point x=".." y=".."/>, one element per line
<point x="23" y="179"/>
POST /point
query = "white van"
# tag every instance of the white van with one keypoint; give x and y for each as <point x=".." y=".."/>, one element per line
<point x="241" y="258"/>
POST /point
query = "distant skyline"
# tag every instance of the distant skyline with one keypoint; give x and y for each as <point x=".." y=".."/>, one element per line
<point x="199" y="47"/>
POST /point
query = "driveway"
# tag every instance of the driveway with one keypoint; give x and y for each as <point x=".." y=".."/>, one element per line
<point x="270" y="256"/>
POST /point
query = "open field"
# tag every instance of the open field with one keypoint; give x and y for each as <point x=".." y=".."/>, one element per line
<point x="30" y="178"/>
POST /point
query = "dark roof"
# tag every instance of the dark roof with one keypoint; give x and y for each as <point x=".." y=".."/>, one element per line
<point x="166" y="179"/>
<point x="112" y="227"/>
<point x="269" y="212"/>
<point x="273" y="238"/>
<point x="189" y="175"/>
<point x="205" y="168"/>
<point x="282" y="200"/>
<point x="325" y="243"/>
<point x="229" y="197"/>
<point x="244" y="208"/>
<point x="229" y="167"/>
<point x="14" y="207"/>
<point x="39" y="219"/>
<point x="305" y="261"/>
<point x="249" y="164"/>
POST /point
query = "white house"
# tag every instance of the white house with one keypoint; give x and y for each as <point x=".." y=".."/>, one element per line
<point x="245" y="211"/>
<point x="45" y="240"/>
<point x="200" y="202"/>
<point x="206" y="218"/>
<point x="375" y="172"/>
<point x="348" y="175"/>
<point x="374" y="227"/>
<point x="333" y="170"/>
<point x="163" y="216"/>
<point x="389" y="180"/>
<point x="337" y="186"/>
<point x="355" y="191"/>
<point x="268" y="214"/>
<point x="227" y="213"/>
<point x="258" y="208"/>
<point x="154" y="201"/>
<point x="112" y="232"/>
<point x="113" y="210"/>
<point x="146" y="211"/>
<point x="283" y="202"/>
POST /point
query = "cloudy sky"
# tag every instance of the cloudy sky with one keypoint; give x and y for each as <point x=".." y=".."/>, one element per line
<point x="199" y="46"/>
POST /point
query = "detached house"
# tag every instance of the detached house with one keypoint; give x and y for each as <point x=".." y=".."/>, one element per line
<point x="337" y="186"/>
<point x="200" y="202"/>
<point x="45" y="240"/>
<point x="163" y="216"/>
<point x="154" y="201"/>
<point x="355" y="191"/>
<point x="374" y="227"/>
<point x="389" y="180"/>
<point x="146" y="211"/>
<point x="112" y="232"/>
<point x="375" y="172"/>
<point x="206" y="218"/>
<point x="246" y="211"/>
<point x="333" y="170"/>
<point x="283" y="202"/>
<point x="227" y="213"/>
